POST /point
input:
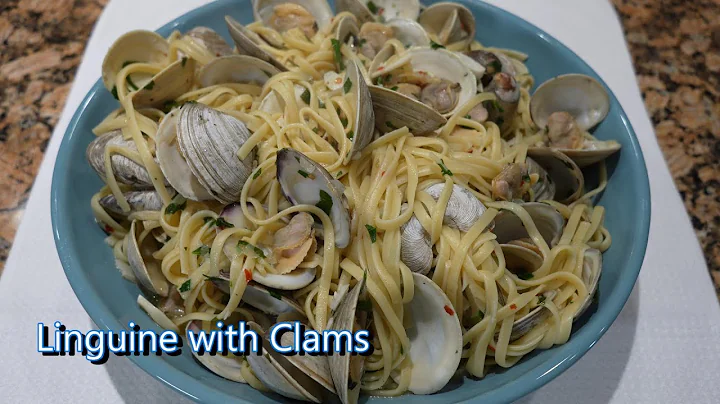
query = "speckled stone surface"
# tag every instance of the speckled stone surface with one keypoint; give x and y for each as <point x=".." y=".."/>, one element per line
<point x="675" y="46"/>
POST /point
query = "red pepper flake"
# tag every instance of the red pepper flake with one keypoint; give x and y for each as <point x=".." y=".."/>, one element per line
<point x="381" y="11"/>
<point x="248" y="275"/>
<point x="513" y="307"/>
<point x="382" y="174"/>
<point x="381" y="68"/>
<point x="109" y="229"/>
<point x="470" y="150"/>
<point x="449" y="310"/>
<point x="492" y="348"/>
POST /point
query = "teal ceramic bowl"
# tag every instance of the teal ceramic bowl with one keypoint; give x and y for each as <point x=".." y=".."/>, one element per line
<point x="110" y="300"/>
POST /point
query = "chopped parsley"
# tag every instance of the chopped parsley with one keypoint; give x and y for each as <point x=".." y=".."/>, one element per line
<point x="478" y="317"/>
<point x="339" y="174"/>
<point x="541" y="299"/>
<point x="130" y="83"/>
<point x="494" y="104"/>
<point x="223" y="224"/>
<point x="185" y="286"/>
<point x="325" y="202"/>
<point x="316" y="129"/>
<point x="150" y="85"/>
<point x="362" y="42"/>
<point x="350" y="135"/>
<point x="174" y="207"/>
<point x="436" y="45"/>
<point x="381" y="80"/>
<point x="208" y="219"/>
<point x="304" y="173"/>
<point x="275" y="294"/>
<point x="394" y="88"/>
<point x="373" y="233"/>
<point x="496" y="65"/>
<point x="243" y="244"/>
<point x="337" y="53"/>
<point x="525" y="275"/>
<point x="443" y="169"/>
<point x="372" y="7"/>
<point x="347" y="86"/>
<point x="344" y="122"/>
<point x="202" y="250"/>
<point x="390" y="125"/>
<point x="114" y="92"/>
<point x="305" y="96"/>
<point x="184" y="61"/>
<point x="526" y="178"/>
<point x="257" y="173"/>
<point x="213" y="278"/>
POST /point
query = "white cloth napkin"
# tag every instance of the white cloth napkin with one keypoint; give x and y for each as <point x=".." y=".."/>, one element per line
<point x="663" y="348"/>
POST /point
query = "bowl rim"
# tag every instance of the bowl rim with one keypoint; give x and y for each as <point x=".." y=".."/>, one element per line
<point x="574" y="349"/>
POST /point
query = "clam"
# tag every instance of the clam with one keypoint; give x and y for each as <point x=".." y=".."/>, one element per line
<point x="449" y="24"/>
<point x="373" y="35"/>
<point x="394" y="110"/>
<point x="227" y="366"/>
<point x="305" y="182"/>
<point x="549" y="223"/>
<point x="260" y="297"/>
<point x="360" y="100"/>
<point x="347" y="370"/>
<point x="415" y="246"/>
<point x="125" y="170"/>
<point x="210" y="40"/>
<point x="379" y="10"/>
<point x="435" y="337"/>
<point x="567" y="179"/>
<point x="294" y="280"/>
<point x="316" y="367"/>
<point x="138" y="201"/>
<point x="592" y="268"/>
<point x="249" y="43"/>
<point x="279" y="375"/>
<point x="507" y="92"/>
<point x="236" y="69"/>
<point x="463" y="208"/>
<point x="568" y="105"/>
<point x="493" y="63"/>
<point x="273" y="103"/>
<point x="282" y="15"/>
<point x="139" y="249"/>
<point x="536" y="316"/>
<point x="197" y="149"/>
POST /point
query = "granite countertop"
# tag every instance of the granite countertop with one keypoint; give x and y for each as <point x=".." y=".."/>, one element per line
<point x="675" y="47"/>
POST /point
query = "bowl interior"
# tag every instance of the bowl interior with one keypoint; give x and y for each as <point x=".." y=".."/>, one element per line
<point x="110" y="300"/>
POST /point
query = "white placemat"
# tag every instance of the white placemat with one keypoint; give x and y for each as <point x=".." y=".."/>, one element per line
<point x="663" y="348"/>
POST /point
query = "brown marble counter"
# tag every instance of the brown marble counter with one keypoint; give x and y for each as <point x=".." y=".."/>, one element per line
<point x="675" y="46"/>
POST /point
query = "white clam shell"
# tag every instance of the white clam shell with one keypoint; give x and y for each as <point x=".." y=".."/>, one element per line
<point x="172" y="82"/>
<point x="173" y="164"/>
<point x="581" y="96"/>
<point x="210" y="40"/>
<point x="320" y="9"/>
<point x="463" y="208"/>
<point x="249" y="43"/>
<point x="209" y="140"/>
<point x="361" y="102"/>
<point x="236" y="69"/>
<point x="409" y="9"/>
<point x="224" y="366"/>
<point x="125" y="170"/>
<point x="315" y="366"/>
<point x="549" y="223"/>
<point x="435" y="337"/>
<point x="138" y="200"/>
<point x="592" y="269"/>
<point x="415" y="247"/>
<point x="134" y="46"/>
<point x="564" y="173"/>
<point x="297" y="279"/>
<point x="452" y="23"/>
<point x="146" y="268"/>
<point x="409" y="32"/>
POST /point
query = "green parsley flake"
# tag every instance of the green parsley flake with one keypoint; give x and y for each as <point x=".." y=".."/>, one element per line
<point x="114" y="92"/>
<point x="202" y="250"/>
<point x="275" y="294"/>
<point x="443" y="169"/>
<point x="303" y="173"/>
<point x="478" y="317"/>
<point x="130" y="83"/>
<point x="325" y="202"/>
<point x="344" y="122"/>
<point x="372" y="7"/>
<point x="394" y="88"/>
<point x="184" y="61"/>
<point x="541" y="299"/>
<point x="150" y="85"/>
<point x="174" y="207"/>
<point x="214" y="278"/>
<point x="373" y="233"/>
<point x="337" y="53"/>
<point x="339" y="174"/>
<point x="185" y="286"/>
<point x="243" y="246"/>
<point x="223" y="224"/>
<point x="306" y="96"/>
<point x="390" y="125"/>
<point x="347" y="86"/>
<point x="257" y="173"/>
<point x="496" y="65"/>
<point x="436" y="45"/>
<point x="525" y="275"/>
<point x="208" y="219"/>
<point x="350" y="135"/>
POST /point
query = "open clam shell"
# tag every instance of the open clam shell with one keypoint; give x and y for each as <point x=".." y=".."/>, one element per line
<point x="549" y="223"/>
<point x="564" y="173"/>
<point x="210" y="40"/>
<point x="172" y="82"/>
<point x="138" y="201"/>
<point x="146" y="268"/>
<point x="305" y="182"/>
<point x="409" y="32"/>
<point x="276" y="373"/>
<point x="519" y="258"/>
<point x="134" y="46"/>
<point x="263" y="299"/>
<point x="267" y="11"/>
<point x="315" y="366"/>
<point x="433" y="319"/>
<point x="463" y="208"/>
<point x="382" y="10"/>
<point x="394" y="110"/>
<point x="125" y="170"/>
<point x="452" y="24"/>
<point x="347" y="370"/>
<point x="536" y="316"/>
<point x="507" y="92"/>
<point x="592" y="269"/>
<point x="297" y="279"/>
<point x="544" y="188"/>
<point x="592" y="152"/>
<point x="361" y="102"/>
<point x="224" y="366"/>
<point x="209" y="140"/>
<point x="249" y="43"/>
<point x="580" y="95"/>
<point x="236" y="69"/>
